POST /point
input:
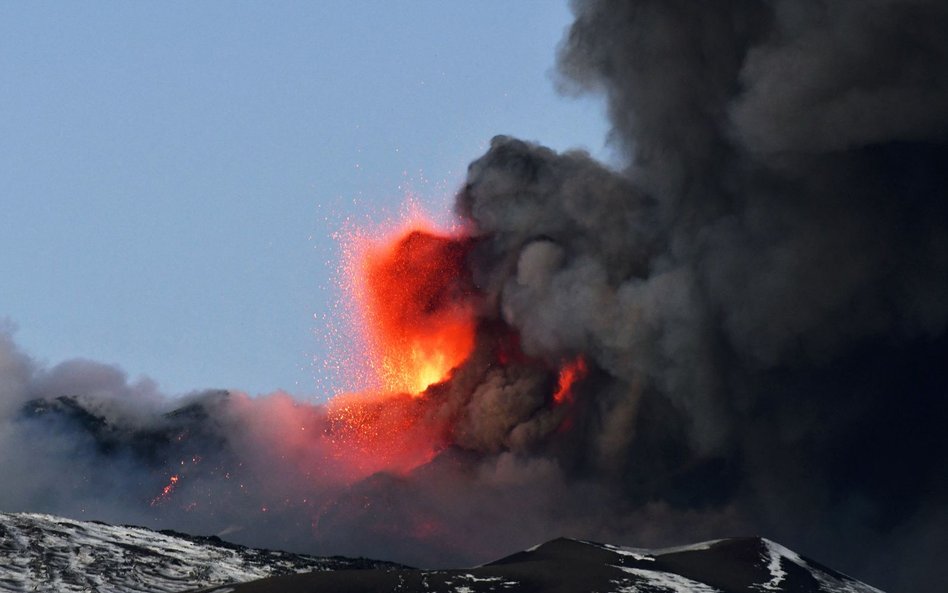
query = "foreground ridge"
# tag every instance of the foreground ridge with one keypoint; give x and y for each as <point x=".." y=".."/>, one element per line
<point x="46" y="553"/>
<point x="740" y="565"/>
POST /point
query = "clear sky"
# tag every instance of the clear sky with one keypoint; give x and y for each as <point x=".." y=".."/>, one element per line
<point x="171" y="174"/>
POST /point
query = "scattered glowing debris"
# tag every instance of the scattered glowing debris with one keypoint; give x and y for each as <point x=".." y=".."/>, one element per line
<point x="166" y="491"/>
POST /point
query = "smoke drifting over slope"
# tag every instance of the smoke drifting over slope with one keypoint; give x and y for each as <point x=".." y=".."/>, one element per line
<point x="760" y="298"/>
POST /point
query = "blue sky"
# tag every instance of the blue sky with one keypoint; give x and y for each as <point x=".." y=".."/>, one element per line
<point x="171" y="174"/>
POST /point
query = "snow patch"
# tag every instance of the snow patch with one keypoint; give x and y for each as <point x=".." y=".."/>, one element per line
<point x="476" y="579"/>
<point x="775" y="554"/>
<point x="650" y="554"/>
<point x="689" y="548"/>
<point x="635" y="553"/>
<point x="663" y="581"/>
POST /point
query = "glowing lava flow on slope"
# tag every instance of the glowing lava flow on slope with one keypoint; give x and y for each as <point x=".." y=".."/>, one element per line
<point x="412" y="304"/>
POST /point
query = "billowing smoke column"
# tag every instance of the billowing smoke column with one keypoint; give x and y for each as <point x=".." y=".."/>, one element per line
<point x="741" y="332"/>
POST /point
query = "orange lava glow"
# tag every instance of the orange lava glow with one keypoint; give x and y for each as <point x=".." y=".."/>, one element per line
<point x="166" y="491"/>
<point x="374" y="432"/>
<point x="570" y="373"/>
<point x="413" y="306"/>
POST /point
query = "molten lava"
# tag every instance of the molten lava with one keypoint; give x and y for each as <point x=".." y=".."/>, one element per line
<point x="412" y="305"/>
<point x="414" y="301"/>
<point x="570" y="373"/>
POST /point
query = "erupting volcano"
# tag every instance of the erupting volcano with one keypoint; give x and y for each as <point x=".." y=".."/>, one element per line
<point x="415" y="309"/>
<point x="739" y="327"/>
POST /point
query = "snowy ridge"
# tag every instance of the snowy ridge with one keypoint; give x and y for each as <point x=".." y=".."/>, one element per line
<point x="650" y="554"/>
<point x="46" y="553"/>
<point x="774" y="556"/>
<point x="683" y="569"/>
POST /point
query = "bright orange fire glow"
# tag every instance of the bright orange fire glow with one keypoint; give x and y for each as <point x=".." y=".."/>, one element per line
<point x="569" y="374"/>
<point x="410" y="301"/>
<point x="413" y="305"/>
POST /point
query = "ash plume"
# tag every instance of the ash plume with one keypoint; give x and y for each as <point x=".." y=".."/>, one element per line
<point x="764" y="287"/>
<point x="759" y="297"/>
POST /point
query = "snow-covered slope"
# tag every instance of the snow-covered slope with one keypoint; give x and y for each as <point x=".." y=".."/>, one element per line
<point x="746" y="565"/>
<point x="739" y="564"/>
<point x="46" y="553"/>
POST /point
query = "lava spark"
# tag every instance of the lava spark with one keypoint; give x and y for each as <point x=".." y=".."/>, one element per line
<point x="167" y="490"/>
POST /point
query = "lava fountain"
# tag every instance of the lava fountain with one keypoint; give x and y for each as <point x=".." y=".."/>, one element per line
<point x="412" y="306"/>
<point x="415" y="300"/>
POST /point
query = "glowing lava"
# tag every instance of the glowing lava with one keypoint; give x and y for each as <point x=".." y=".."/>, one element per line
<point x="570" y="373"/>
<point x="166" y="491"/>
<point x="414" y="305"/>
<point x="411" y="302"/>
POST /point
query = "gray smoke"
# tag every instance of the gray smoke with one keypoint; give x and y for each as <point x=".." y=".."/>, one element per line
<point x="760" y="295"/>
<point x="764" y="287"/>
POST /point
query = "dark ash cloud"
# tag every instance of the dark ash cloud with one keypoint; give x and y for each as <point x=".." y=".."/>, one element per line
<point x="764" y="288"/>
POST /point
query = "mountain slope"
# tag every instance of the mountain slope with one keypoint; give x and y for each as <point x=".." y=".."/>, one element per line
<point x="745" y="565"/>
<point x="46" y="553"/>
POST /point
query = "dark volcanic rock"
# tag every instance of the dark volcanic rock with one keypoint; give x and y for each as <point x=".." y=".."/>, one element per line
<point x="52" y="554"/>
<point x="745" y="565"/>
<point x="177" y="433"/>
<point x="45" y="553"/>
